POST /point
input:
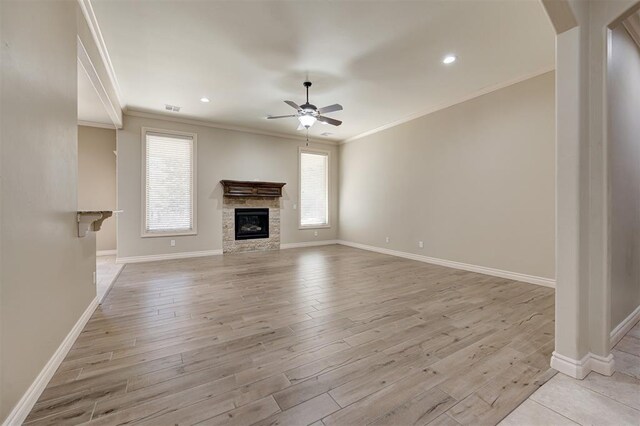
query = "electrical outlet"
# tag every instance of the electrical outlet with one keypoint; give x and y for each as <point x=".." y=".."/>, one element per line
<point x="295" y="206"/>
<point x="387" y="239"/>
<point x="173" y="243"/>
<point x="421" y="244"/>
<point x="94" y="277"/>
<point x="315" y="233"/>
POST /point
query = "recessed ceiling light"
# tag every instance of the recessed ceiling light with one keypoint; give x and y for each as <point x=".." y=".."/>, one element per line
<point x="449" y="59"/>
<point x="205" y="100"/>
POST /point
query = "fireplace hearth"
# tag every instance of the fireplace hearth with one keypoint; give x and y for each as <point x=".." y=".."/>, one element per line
<point x="252" y="224"/>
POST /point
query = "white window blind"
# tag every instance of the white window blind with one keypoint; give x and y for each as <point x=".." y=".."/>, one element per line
<point x="314" y="189"/>
<point x="169" y="183"/>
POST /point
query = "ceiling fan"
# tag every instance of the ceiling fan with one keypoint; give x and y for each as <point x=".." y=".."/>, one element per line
<point x="308" y="114"/>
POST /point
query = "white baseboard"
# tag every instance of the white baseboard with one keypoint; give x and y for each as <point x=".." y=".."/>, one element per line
<point x="106" y="252"/>
<point x="28" y="400"/>
<point x="578" y="369"/>
<point x="308" y="244"/>
<point x="623" y="328"/>
<point x="167" y="256"/>
<point x="516" y="276"/>
<point x="184" y="255"/>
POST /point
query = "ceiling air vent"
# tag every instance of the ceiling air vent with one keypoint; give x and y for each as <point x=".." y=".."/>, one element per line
<point x="326" y="134"/>
<point x="172" y="108"/>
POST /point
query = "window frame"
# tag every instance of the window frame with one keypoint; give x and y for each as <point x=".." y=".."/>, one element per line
<point x="194" y="182"/>
<point x="307" y="150"/>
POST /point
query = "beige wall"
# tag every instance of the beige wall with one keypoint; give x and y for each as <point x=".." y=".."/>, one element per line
<point x="624" y="139"/>
<point x="221" y="154"/>
<point x="46" y="271"/>
<point x="97" y="178"/>
<point x="475" y="182"/>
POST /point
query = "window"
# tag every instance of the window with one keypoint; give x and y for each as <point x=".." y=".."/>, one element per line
<point x="314" y="189"/>
<point x="169" y="183"/>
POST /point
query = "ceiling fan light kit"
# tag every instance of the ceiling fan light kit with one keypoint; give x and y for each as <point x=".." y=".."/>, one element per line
<point x="307" y="120"/>
<point x="308" y="114"/>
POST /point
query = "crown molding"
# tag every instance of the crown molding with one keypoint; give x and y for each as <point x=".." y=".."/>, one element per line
<point x="195" y="122"/>
<point x="632" y="25"/>
<point x="560" y="14"/>
<point x="92" y="23"/>
<point x="95" y="124"/>
<point x="445" y="105"/>
<point x="113" y="111"/>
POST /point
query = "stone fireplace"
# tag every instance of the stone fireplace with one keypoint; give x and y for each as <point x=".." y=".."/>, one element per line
<point x="251" y="216"/>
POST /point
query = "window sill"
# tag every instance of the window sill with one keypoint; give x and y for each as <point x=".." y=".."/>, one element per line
<point x="300" y="227"/>
<point x="168" y="234"/>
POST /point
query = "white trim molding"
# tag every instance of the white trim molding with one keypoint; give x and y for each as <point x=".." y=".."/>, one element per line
<point x="623" y="328"/>
<point x="96" y="124"/>
<point x="92" y="23"/>
<point x="144" y="233"/>
<point x="516" y="276"/>
<point x="308" y="244"/>
<point x="309" y="150"/>
<point x="28" y="400"/>
<point x="113" y="111"/>
<point x="106" y="253"/>
<point x="578" y="369"/>
<point x="448" y="104"/>
<point x="214" y="125"/>
<point x="167" y="256"/>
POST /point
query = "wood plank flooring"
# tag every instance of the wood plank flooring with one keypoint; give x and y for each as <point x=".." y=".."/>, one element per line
<point x="596" y="400"/>
<point x="324" y="335"/>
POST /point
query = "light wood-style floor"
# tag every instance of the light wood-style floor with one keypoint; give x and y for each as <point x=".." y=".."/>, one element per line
<point x="596" y="400"/>
<point x="324" y="335"/>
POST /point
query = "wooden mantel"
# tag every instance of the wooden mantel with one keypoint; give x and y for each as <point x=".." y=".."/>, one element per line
<point x="240" y="188"/>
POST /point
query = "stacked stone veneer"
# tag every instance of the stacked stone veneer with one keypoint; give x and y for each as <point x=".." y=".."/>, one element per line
<point x="229" y="243"/>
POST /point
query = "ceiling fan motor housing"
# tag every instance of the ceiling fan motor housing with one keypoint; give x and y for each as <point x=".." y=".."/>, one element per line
<point x="308" y="107"/>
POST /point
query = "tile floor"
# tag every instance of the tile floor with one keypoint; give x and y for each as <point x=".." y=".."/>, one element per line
<point x="107" y="270"/>
<point x="596" y="400"/>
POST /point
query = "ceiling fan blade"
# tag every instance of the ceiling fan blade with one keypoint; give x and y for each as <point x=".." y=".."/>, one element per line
<point x="330" y="108"/>
<point x="293" y="105"/>
<point x="328" y="120"/>
<point x="270" y="117"/>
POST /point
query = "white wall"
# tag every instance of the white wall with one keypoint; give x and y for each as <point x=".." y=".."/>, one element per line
<point x="97" y="178"/>
<point x="221" y="154"/>
<point x="475" y="182"/>
<point x="624" y="155"/>
<point x="46" y="271"/>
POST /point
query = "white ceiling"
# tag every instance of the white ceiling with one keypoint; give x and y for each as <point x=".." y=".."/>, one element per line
<point x="90" y="107"/>
<point x="380" y="59"/>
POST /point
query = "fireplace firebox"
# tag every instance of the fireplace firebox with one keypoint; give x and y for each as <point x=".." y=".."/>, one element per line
<point x="251" y="224"/>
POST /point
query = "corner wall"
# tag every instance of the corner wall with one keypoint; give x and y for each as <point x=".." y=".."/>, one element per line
<point x="221" y="154"/>
<point x="46" y="271"/>
<point x="475" y="182"/>
<point x="624" y="165"/>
